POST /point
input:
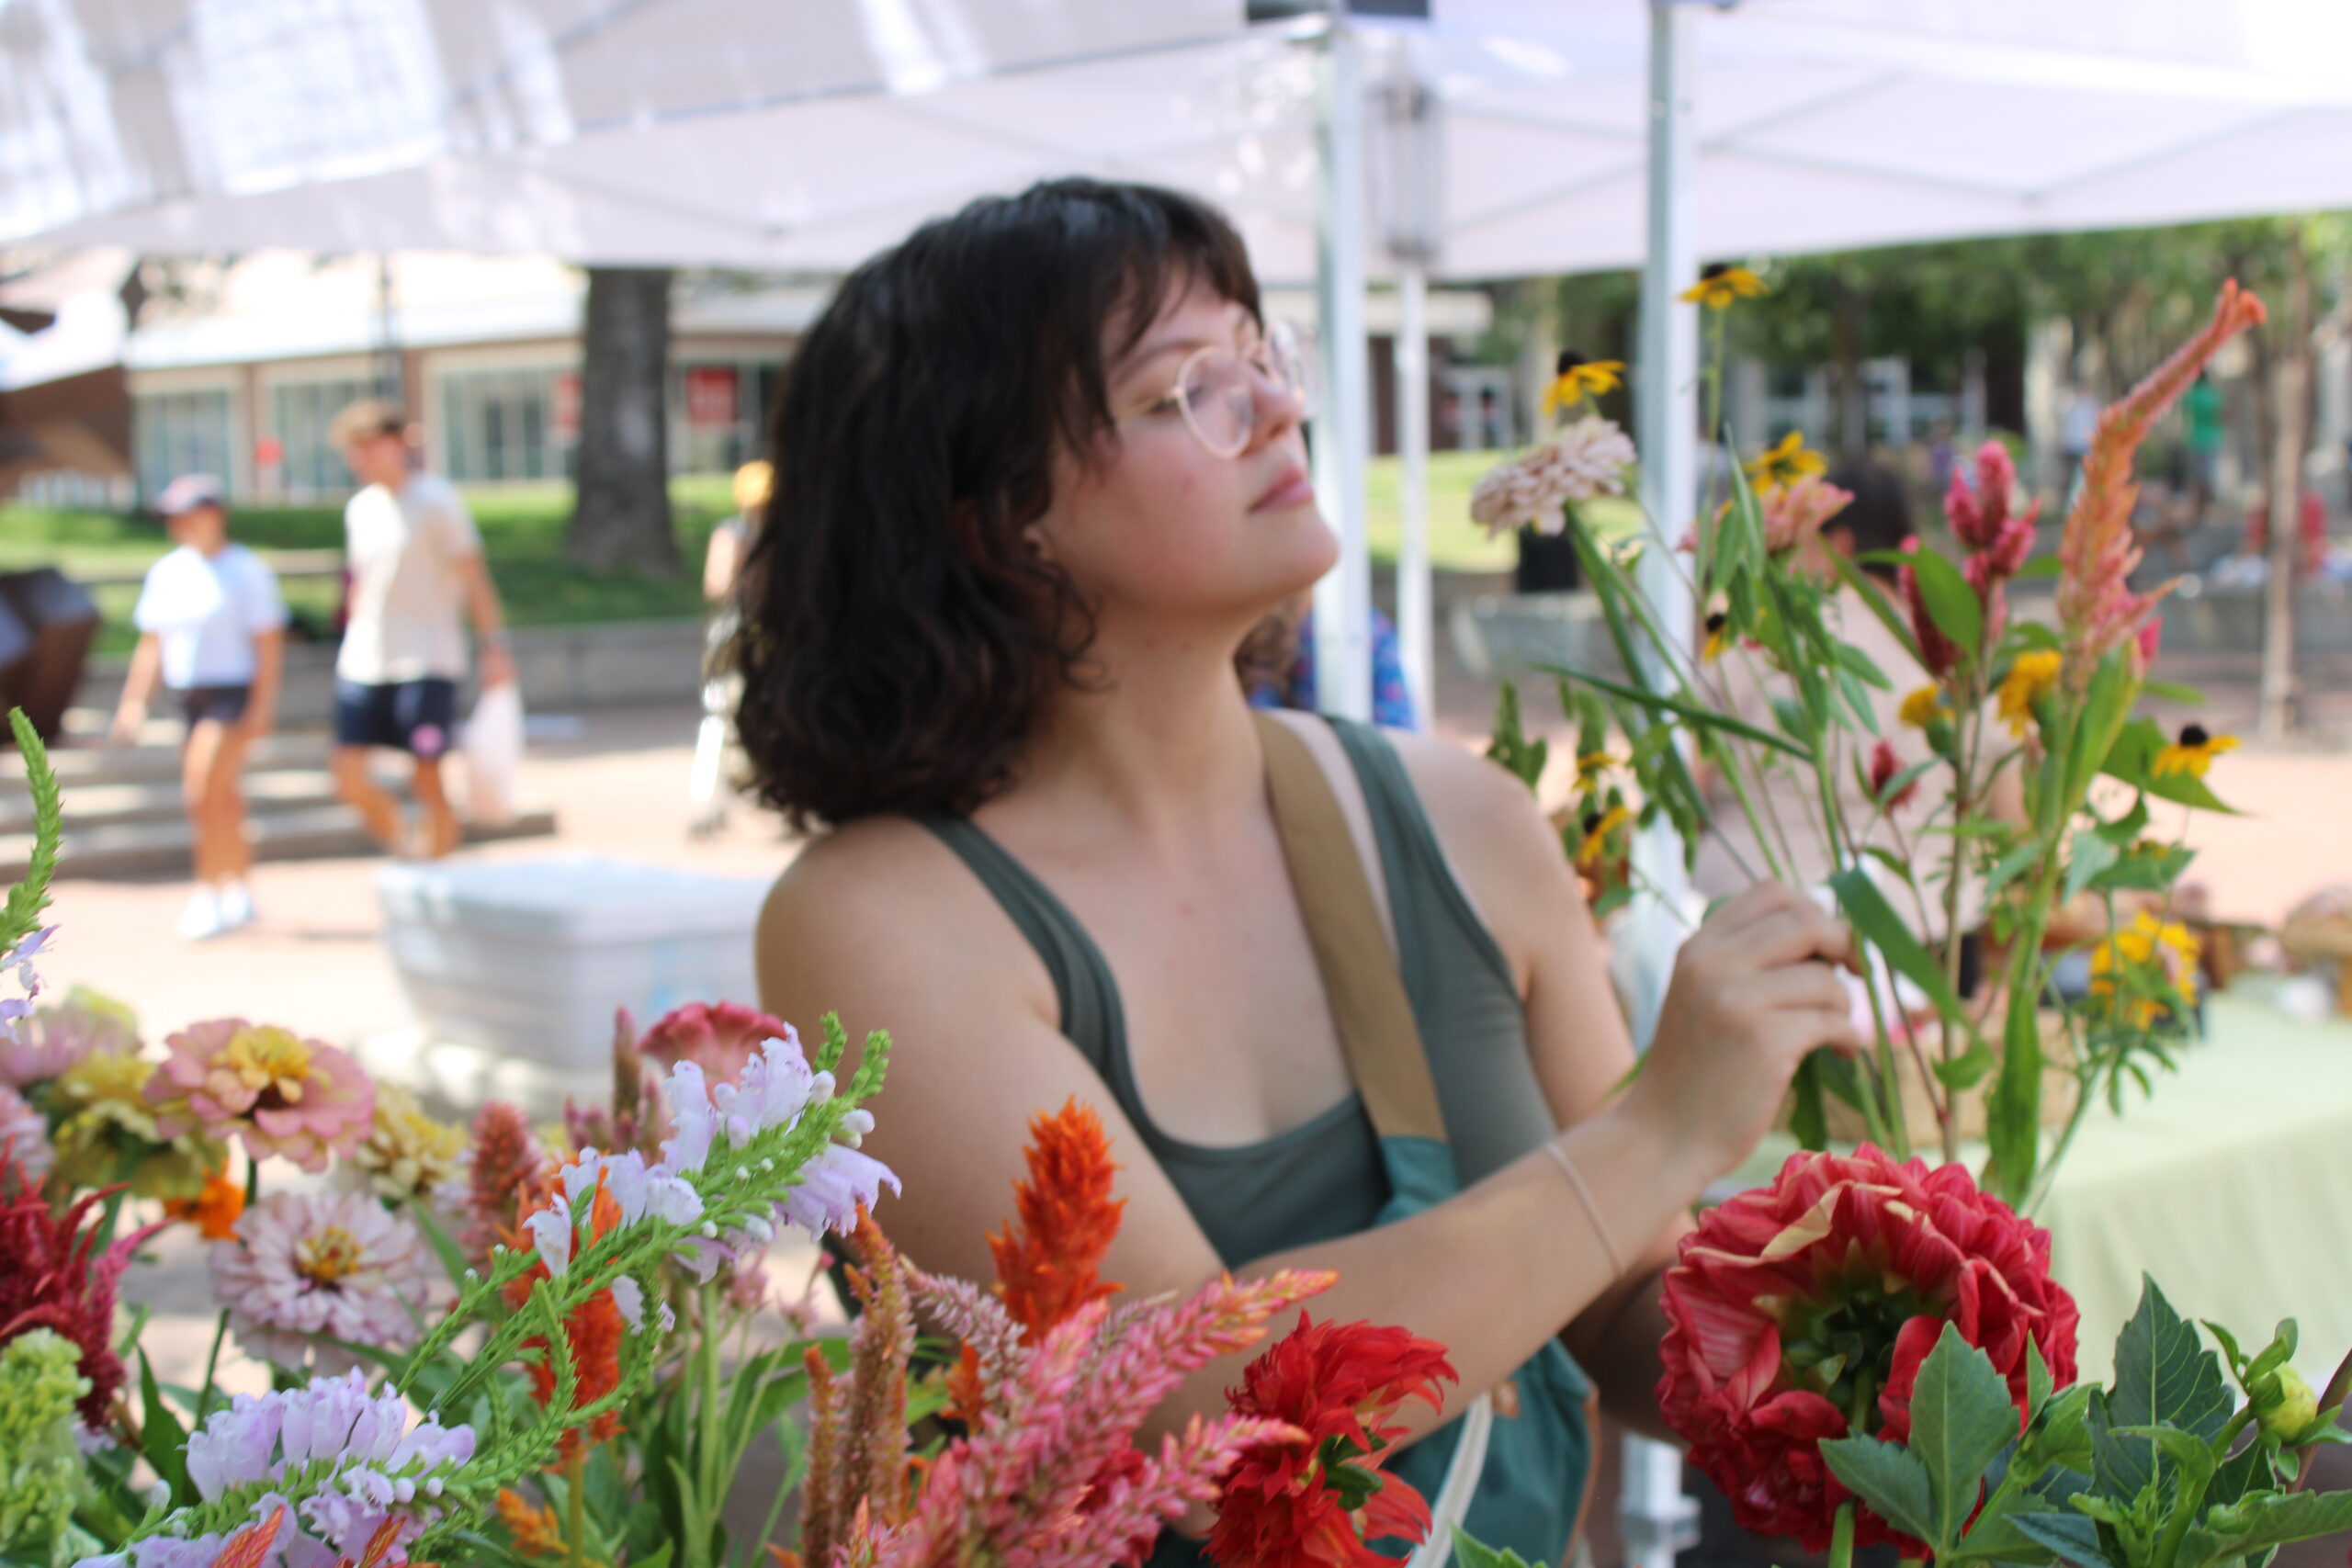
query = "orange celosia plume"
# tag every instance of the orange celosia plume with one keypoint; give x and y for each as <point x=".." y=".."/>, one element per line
<point x="1048" y="1262"/>
<point x="534" y="1530"/>
<point x="2096" y="554"/>
<point x="593" y="1333"/>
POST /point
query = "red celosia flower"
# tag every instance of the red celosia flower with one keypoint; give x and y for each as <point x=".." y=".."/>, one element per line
<point x="1320" y="1499"/>
<point x="1802" y="1311"/>
<point x="1048" y="1263"/>
<point x="1938" y="653"/>
<point x="593" y="1332"/>
<point x="717" y="1037"/>
<point x="509" y="1177"/>
<point x="1885" y="766"/>
<point x="52" y="1276"/>
<point x="2096" y="555"/>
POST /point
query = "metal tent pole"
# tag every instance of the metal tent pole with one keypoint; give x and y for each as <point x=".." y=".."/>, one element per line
<point x="1342" y="430"/>
<point x="1657" y="1518"/>
<point x="1414" y="610"/>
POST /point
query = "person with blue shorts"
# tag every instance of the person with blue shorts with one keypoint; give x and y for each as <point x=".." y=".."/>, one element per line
<point x="416" y="570"/>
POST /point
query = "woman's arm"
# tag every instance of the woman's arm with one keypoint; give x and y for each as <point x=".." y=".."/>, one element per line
<point x="269" y="666"/>
<point x="880" y="924"/>
<point x="137" y="689"/>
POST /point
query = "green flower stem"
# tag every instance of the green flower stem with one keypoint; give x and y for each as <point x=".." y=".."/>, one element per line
<point x="211" y="1363"/>
<point x="713" y="1485"/>
<point x="1841" y="1537"/>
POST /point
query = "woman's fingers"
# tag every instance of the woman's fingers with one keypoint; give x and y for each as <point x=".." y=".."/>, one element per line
<point x="1789" y="933"/>
<point x="1812" y="987"/>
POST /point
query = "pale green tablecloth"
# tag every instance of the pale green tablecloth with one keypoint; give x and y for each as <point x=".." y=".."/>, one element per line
<point x="2231" y="1185"/>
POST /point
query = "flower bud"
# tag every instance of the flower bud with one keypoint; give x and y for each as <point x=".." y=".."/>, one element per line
<point x="2285" y="1404"/>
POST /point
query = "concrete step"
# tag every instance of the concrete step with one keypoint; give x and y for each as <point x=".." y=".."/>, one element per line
<point x="145" y="798"/>
<point x="306" y="832"/>
<point x="156" y="756"/>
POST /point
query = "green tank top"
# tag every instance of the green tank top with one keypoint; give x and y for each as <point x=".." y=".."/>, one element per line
<point x="1323" y="1179"/>
<point x="1327" y="1178"/>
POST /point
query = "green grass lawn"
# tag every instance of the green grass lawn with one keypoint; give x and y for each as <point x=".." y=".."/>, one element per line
<point x="522" y="530"/>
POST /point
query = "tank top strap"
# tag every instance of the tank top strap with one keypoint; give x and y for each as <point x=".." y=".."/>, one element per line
<point x="1083" y="987"/>
<point x="1435" y="923"/>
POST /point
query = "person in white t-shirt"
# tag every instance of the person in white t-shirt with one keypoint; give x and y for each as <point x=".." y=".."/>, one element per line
<point x="213" y="630"/>
<point x="416" y="572"/>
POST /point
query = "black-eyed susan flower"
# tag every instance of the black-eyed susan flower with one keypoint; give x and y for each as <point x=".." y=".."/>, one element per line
<point x="1718" y="635"/>
<point x="2192" y="753"/>
<point x="1598" y="828"/>
<point x="1719" y="287"/>
<point x="1579" y="379"/>
<point x="1786" y="463"/>
<point x="1592" y="767"/>
<point x="2030" y="677"/>
<point x="1925" y="707"/>
<point x="2137" y="963"/>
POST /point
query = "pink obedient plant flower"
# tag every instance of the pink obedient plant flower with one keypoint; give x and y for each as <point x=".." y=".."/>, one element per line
<point x="2096" y="609"/>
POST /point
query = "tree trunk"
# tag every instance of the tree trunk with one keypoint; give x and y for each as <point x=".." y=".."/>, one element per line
<point x="1853" y="438"/>
<point x="621" y="521"/>
<point x="2289" y="435"/>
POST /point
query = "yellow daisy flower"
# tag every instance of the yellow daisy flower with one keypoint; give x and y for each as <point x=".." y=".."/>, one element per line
<point x="1580" y="379"/>
<point x="1719" y="287"/>
<point x="1598" y="827"/>
<point x="1925" y="707"/>
<point x="2192" y="753"/>
<point x="1591" y="766"/>
<point x="2147" y="943"/>
<point x="2033" y="675"/>
<point x="1786" y="463"/>
<point x="1718" y="635"/>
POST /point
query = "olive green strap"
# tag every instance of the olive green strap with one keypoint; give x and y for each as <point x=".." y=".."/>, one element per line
<point x="1361" y="979"/>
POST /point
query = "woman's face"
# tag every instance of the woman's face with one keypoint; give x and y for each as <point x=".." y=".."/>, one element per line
<point x="1156" y="526"/>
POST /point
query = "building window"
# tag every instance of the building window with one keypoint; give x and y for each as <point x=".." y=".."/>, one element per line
<point x="299" y="413"/>
<point x="718" y="414"/>
<point x="180" y="432"/>
<point x="506" y="424"/>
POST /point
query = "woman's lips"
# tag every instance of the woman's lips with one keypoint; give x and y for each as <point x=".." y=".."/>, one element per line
<point x="1291" y="488"/>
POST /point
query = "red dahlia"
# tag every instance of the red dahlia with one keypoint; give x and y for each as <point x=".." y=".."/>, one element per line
<point x="1803" y="1310"/>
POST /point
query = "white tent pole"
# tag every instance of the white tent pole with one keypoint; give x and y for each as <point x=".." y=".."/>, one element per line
<point x="1657" y="1518"/>
<point x="1414" y="609"/>
<point x="1343" y="430"/>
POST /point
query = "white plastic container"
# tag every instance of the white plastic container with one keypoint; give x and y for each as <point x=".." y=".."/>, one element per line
<point x="530" y="958"/>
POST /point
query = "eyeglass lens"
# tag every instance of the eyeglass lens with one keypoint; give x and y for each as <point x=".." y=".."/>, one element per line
<point x="1220" y="398"/>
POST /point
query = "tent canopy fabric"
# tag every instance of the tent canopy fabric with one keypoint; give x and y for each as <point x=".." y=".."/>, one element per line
<point x="807" y="136"/>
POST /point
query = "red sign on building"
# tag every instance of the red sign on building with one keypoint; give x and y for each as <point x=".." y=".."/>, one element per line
<point x="710" y="395"/>
<point x="566" y="403"/>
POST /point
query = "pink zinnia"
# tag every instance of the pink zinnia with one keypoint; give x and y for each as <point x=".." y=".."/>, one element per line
<point x="2096" y="555"/>
<point x="278" y="1092"/>
<point x="53" y="1038"/>
<point x="1793" y="513"/>
<point x="337" y="1264"/>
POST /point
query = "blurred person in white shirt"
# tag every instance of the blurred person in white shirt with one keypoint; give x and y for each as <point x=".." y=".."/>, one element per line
<point x="211" y="631"/>
<point x="417" y="574"/>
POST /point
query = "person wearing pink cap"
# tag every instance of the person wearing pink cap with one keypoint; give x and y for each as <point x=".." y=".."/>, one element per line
<point x="213" y="631"/>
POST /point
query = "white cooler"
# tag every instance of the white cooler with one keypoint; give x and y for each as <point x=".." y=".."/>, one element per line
<point x="528" y="958"/>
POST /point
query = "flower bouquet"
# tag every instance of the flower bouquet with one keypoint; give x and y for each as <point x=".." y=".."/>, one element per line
<point x="511" y="1345"/>
<point x="2023" y="798"/>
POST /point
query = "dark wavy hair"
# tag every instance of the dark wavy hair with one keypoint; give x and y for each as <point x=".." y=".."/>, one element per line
<point x="898" y="635"/>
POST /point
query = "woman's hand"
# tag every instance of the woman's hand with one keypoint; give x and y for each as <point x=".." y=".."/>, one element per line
<point x="1754" y="991"/>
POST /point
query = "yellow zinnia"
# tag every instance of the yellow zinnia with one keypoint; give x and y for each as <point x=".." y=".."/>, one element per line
<point x="2192" y="753"/>
<point x="2033" y="675"/>
<point x="1925" y="707"/>
<point x="1719" y="287"/>
<point x="1579" y="379"/>
<point x="1787" y="463"/>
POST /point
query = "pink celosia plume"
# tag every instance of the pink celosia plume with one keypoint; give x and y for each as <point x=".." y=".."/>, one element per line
<point x="2097" y="607"/>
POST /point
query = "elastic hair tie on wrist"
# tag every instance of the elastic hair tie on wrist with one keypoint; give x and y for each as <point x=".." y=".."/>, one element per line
<point x="1591" y="1210"/>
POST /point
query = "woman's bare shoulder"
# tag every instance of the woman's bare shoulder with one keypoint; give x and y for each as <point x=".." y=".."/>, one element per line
<point x="880" y="911"/>
<point x="1495" y="836"/>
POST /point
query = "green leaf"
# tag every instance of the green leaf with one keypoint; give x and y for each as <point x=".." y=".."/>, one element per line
<point x="2088" y="855"/>
<point x="1860" y="663"/>
<point x="453" y="1257"/>
<point x="1879" y="926"/>
<point x="2071" y="1538"/>
<point x="2164" y="1377"/>
<point x="2172" y="692"/>
<point x="2133" y="758"/>
<point x="1951" y="604"/>
<point x="1874" y="599"/>
<point x="1471" y="1554"/>
<point x="1522" y="758"/>
<point x="2061" y="1436"/>
<point x="2011" y="865"/>
<point x="1967" y="1070"/>
<point x="2038" y="1382"/>
<point x="1887" y="1476"/>
<point x="2244" y="1471"/>
<point x="2259" y="1523"/>
<point x="1808" y="1118"/>
<point x="2013" y="1112"/>
<point x="1962" y="1418"/>
<point x="1693" y="713"/>
<point x="161" y="1436"/>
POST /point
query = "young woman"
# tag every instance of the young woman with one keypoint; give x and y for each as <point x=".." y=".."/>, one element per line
<point x="212" y="629"/>
<point x="1039" y="471"/>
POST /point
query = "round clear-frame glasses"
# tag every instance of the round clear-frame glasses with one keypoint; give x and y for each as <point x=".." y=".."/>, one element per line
<point x="1215" y="395"/>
